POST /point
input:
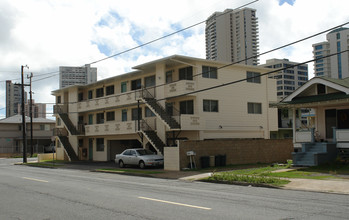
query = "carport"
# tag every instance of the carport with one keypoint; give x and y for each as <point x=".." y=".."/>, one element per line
<point x="118" y="146"/>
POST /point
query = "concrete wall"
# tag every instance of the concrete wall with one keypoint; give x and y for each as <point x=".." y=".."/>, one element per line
<point x="48" y="156"/>
<point x="237" y="151"/>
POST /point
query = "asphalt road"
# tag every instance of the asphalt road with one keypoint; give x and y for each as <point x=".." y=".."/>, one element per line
<point x="43" y="193"/>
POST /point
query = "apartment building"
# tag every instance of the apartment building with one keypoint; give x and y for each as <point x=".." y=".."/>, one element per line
<point x="288" y="80"/>
<point x="232" y="36"/>
<point x="336" y="66"/>
<point x="13" y="98"/>
<point x="161" y="102"/>
<point x="72" y="75"/>
<point x="38" y="109"/>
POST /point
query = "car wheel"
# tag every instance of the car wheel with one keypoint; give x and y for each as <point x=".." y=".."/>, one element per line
<point x="141" y="164"/>
<point x="121" y="164"/>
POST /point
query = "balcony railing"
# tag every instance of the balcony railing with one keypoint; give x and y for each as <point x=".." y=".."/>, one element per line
<point x="107" y="101"/>
<point x="111" y="128"/>
<point x="179" y="88"/>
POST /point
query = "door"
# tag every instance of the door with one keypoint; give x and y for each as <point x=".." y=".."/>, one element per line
<point x="330" y="121"/>
<point x="90" y="149"/>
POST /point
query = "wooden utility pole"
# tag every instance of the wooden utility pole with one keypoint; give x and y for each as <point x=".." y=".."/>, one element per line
<point x="23" y="119"/>
<point x="31" y="115"/>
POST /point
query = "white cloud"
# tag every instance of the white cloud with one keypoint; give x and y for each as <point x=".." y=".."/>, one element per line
<point x="48" y="34"/>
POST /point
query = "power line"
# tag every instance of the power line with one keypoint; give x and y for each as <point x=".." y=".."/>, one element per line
<point x="221" y="85"/>
<point x="230" y="64"/>
<point x="168" y="35"/>
<point x="142" y="45"/>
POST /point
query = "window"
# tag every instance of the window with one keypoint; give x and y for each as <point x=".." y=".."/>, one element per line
<point x="42" y="127"/>
<point x="123" y="87"/>
<point x="135" y="114"/>
<point x="169" y="76"/>
<point x="186" y="73"/>
<point x="338" y="35"/>
<point x="99" y="92"/>
<point x="90" y="94"/>
<point x="136" y="84"/>
<point x="109" y="90"/>
<point x="253" y="77"/>
<point x="318" y="47"/>
<point x="187" y="107"/>
<point x="321" y="89"/>
<point x="210" y="105"/>
<point x="209" y="72"/>
<point x="149" y="81"/>
<point x="59" y="99"/>
<point x="169" y="108"/>
<point x="90" y="119"/>
<point x="100" y="144"/>
<point x="148" y="112"/>
<point x="80" y="97"/>
<point x="100" y="118"/>
<point x="254" y="108"/>
<point x="111" y="116"/>
<point x="124" y="115"/>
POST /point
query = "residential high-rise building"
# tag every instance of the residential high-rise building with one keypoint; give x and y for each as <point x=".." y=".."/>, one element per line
<point x="336" y="66"/>
<point x="69" y="75"/>
<point x="38" y="109"/>
<point x="290" y="79"/>
<point x="232" y="36"/>
<point x="13" y="98"/>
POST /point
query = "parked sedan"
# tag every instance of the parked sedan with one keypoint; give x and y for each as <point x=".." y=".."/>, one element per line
<point x="139" y="157"/>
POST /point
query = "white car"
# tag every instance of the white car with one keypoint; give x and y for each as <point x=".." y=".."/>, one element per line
<point x="139" y="157"/>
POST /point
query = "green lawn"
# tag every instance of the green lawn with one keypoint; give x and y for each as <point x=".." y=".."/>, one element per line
<point x="265" y="175"/>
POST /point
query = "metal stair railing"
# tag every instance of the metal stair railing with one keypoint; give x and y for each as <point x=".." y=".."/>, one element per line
<point x="172" y="120"/>
<point x="62" y="134"/>
<point x="150" y="134"/>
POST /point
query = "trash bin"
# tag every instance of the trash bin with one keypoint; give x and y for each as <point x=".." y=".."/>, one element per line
<point x="220" y="160"/>
<point x="205" y="161"/>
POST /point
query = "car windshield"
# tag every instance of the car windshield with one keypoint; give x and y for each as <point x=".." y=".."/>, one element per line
<point x="145" y="152"/>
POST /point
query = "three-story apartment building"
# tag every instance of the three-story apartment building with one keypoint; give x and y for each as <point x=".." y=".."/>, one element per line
<point x="174" y="98"/>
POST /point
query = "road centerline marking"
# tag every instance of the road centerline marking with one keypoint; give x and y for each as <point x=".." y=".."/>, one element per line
<point x="43" y="181"/>
<point x="174" y="203"/>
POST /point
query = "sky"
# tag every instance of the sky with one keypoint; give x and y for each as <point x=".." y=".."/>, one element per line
<point x="46" y="34"/>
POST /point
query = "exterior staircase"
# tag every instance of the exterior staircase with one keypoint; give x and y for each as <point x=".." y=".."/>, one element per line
<point x="314" y="154"/>
<point x="68" y="148"/>
<point x="69" y="124"/>
<point x="151" y="135"/>
<point x="161" y="113"/>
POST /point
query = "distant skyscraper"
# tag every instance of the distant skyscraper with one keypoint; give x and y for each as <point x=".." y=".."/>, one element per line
<point x="38" y="109"/>
<point x="232" y="36"/>
<point x="336" y="66"/>
<point x="290" y="79"/>
<point x="13" y="98"/>
<point x="76" y="75"/>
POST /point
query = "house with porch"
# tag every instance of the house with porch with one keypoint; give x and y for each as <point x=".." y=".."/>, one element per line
<point x="328" y="136"/>
<point x="162" y="102"/>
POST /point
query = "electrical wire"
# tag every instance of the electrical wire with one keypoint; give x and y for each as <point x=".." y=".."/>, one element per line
<point x="224" y="84"/>
<point x="233" y="63"/>
<point x="168" y="35"/>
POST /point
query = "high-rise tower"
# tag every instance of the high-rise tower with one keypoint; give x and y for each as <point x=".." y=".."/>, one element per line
<point x="232" y="36"/>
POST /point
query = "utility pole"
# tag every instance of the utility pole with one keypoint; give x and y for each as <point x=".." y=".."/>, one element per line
<point x="23" y="119"/>
<point x="31" y="115"/>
